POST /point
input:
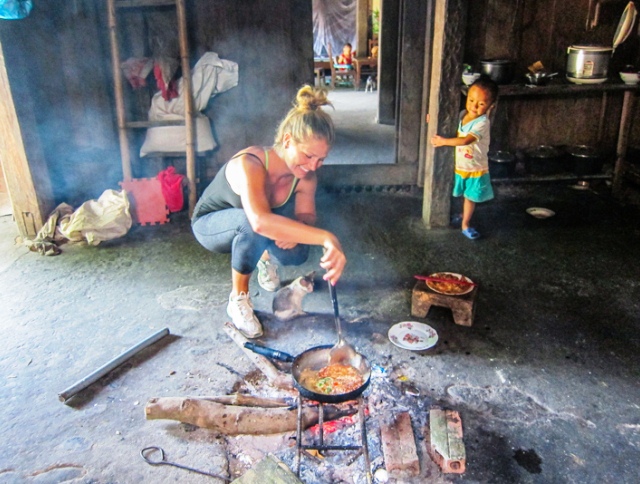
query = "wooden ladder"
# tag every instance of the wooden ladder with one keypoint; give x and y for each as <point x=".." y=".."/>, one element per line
<point x="123" y="124"/>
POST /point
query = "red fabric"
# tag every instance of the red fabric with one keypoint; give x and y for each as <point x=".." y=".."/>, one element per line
<point x="171" y="184"/>
<point x="168" y="92"/>
<point x="346" y="59"/>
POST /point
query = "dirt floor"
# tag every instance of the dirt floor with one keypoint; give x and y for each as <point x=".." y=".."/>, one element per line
<point x="546" y="379"/>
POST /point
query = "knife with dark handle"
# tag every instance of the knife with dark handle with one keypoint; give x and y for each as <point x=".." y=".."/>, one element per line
<point x="269" y="352"/>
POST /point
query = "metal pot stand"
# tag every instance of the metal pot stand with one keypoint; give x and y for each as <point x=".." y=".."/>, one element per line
<point x="362" y="448"/>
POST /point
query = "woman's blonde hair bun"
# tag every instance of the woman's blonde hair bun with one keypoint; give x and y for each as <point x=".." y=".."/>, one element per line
<point x="306" y="119"/>
<point x="311" y="98"/>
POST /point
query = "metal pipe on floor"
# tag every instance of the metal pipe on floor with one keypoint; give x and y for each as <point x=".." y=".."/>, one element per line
<point x="107" y="367"/>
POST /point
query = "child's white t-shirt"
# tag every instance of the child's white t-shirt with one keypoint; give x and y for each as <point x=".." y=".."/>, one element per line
<point x="473" y="157"/>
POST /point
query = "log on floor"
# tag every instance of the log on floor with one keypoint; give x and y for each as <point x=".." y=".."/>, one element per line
<point x="236" y="420"/>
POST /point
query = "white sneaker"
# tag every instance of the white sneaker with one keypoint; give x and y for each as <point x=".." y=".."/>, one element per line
<point x="240" y="310"/>
<point x="268" y="275"/>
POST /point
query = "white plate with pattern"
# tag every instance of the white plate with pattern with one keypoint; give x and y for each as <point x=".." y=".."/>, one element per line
<point x="411" y="335"/>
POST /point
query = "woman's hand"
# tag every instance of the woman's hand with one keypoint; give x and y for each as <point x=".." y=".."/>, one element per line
<point x="333" y="260"/>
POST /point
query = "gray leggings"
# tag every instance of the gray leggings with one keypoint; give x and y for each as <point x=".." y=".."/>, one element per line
<point x="229" y="230"/>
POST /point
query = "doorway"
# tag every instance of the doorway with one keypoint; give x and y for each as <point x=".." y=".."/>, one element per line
<point x="362" y="136"/>
<point x="386" y="149"/>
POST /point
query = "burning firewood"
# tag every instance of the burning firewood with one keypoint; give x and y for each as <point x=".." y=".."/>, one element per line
<point x="235" y="420"/>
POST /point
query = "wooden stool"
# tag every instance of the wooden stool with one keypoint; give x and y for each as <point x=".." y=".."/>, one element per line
<point x="463" y="307"/>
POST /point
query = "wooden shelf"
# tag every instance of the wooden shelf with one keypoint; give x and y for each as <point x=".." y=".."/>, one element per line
<point x="569" y="177"/>
<point x="559" y="88"/>
<point x="154" y="124"/>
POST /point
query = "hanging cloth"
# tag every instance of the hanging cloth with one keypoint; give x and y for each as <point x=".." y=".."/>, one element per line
<point x="334" y="22"/>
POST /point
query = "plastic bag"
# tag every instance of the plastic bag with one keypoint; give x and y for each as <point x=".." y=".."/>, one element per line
<point x="171" y="184"/>
<point x="15" y="9"/>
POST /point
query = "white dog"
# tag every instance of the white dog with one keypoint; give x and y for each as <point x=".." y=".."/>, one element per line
<point x="370" y="86"/>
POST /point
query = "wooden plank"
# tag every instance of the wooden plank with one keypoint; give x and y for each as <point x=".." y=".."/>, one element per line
<point x="559" y="88"/>
<point x="153" y="124"/>
<point x="15" y="165"/>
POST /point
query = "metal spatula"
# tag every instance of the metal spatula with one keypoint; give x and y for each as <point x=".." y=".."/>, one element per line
<point x="342" y="352"/>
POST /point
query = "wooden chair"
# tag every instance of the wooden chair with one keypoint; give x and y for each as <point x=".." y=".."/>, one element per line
<point x="348" y="75"/>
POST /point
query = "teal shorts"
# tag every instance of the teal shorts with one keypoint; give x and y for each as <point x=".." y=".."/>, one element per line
<point x="476" y="189"/>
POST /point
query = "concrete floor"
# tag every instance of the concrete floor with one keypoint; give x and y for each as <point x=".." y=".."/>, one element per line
<point x="359" y="137"/>
<point x="546" y="380"/>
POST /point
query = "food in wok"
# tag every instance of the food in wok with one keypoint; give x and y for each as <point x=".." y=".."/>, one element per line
<point x="333" y="379"/>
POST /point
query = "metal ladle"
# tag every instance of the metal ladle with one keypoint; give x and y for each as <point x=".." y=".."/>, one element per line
<point x="342" y="352"/>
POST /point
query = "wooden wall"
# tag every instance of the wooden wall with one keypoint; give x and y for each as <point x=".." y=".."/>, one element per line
<point x="59" y="64"/>
<point x="55" y="67"/>
<point x="532" y="30"/>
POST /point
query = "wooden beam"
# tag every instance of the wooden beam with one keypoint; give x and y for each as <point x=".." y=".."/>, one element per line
<point x="362" y="18"/>
<point x="444" y="107"/>
<point x="388" y="57"/>
<point x="15" y="165"/>
<point x="125" y="154"/>
<point x="623" y="141"/>
<point x="187" y="91"/>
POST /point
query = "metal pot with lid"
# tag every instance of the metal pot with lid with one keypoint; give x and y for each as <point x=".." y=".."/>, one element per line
<point x="501" y="71"/>
<point x="543" y="160"/>
<point x="586" y="160"/>
<point x="501" y="164"/>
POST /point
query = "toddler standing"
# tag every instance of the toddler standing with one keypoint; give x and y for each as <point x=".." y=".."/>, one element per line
<point x="472" y="145"/>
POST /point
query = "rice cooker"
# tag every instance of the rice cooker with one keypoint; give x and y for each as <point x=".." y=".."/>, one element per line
<point x="588" y="64"/>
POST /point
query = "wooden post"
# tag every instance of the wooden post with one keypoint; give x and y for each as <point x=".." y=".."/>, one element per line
<point x="188" y="104"/>
<point x="623" y="140"/>
<point x="15" y="165"/>
<point x="125" y="154"/>
<point x="444" y="108"/>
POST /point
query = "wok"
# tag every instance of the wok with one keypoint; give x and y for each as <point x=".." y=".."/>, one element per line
<point x="315" y="359"/>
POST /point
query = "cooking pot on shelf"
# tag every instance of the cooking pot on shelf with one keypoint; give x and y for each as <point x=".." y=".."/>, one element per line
<point x="501" y="71"/>
<point x="502" y="164"/>
<point x="589" y="64"/>
<point x="585" y="160"/>
<point x="543" y="160"/>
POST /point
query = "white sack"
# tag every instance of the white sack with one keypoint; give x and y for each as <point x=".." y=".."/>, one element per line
<point x="107" y="218"/>
<point x="210" y="76"/>
<point x="173" y="139"/>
